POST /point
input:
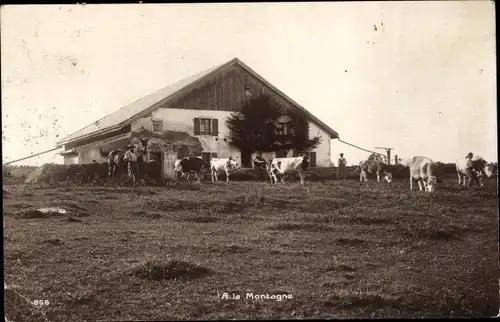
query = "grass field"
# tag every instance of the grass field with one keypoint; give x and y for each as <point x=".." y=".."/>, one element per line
<point x="341" y="251"/>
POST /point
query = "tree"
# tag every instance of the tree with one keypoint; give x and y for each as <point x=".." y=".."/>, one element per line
<point x="298" y="135"/>
<point x="255" y="127"/>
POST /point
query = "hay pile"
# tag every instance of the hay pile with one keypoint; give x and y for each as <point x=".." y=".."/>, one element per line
<point x="84" y="173"/>
<point x="17" y="171"/>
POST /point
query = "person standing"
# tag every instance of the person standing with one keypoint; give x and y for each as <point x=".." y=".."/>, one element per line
<point x="470" y="171"/>
<point x="341" y="167"/>
<point x="130" y="158"/>
<point x="259" y="166"/>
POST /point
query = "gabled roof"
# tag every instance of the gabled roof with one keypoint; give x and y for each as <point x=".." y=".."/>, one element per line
<point x="150" y="102"/>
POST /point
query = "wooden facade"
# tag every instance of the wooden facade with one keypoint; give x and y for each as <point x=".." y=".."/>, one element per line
<point x="226" y="92"/>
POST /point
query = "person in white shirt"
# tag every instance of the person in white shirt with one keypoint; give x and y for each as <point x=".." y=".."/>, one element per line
<point x="130" y="158"/>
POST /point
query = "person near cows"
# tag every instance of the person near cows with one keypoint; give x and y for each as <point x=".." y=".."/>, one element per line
<point x="130" y="158"/>
<point x="259" y="166"/>
<point x="471" y="173"/>
<point x="341" y="168"/>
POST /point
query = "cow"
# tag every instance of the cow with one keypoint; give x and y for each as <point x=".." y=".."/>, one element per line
<point x="178" y="170"/>
<point x="228" y="165"/>
<point x="370" y="166"/>
<point x="187" y="165"/>
<point x="279" y="166"/>
<point x="479" y="169"/>
<point x="423" y="170"/>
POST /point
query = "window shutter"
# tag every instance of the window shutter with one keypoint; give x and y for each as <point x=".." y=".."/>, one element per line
<point x="313" y="159"/>
<point x="215" y="127"/>
<point x="196" y="126"/>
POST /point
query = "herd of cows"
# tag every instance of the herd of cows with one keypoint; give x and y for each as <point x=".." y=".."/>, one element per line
<point x="420" y="168"/>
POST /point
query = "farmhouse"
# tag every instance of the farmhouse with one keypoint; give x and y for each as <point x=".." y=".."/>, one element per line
<point x="188" y="116"/>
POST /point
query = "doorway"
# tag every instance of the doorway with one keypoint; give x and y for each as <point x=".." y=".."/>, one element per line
<point x="155" y="166"/>
<point x="246" y="159"/>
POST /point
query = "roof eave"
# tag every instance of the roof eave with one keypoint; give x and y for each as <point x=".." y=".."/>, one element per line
<point x="87" y="136"/>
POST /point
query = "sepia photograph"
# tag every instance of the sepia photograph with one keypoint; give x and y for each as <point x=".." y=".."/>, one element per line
<point x="250" y="161"/>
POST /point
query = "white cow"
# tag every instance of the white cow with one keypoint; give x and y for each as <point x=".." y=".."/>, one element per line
<point x="374" y="166"/>
<point x="479" y="168"/>
<point x="279" y="166"/>
<point x="178" y="170"/>
<point x="228" y="165"/>
<point x="422" y="169"/>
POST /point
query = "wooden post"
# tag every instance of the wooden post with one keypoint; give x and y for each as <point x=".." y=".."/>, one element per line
<point x="388" y="151"/>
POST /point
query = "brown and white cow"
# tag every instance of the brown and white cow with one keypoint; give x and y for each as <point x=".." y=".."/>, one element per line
<point x="278" y="168"/>
<point x="374" y="166"/>
<point x="477" y="170"/>
<point x="187" y="165"/>
<point x="423" y="170"/>
<point x="228" y="165"/>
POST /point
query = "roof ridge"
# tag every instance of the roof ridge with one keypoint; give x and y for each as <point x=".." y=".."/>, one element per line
<point x="157" y="91"/>
<point x="153" y="99"/>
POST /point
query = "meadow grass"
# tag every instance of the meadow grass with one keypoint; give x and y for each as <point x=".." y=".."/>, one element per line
<point x="342" y="250"/>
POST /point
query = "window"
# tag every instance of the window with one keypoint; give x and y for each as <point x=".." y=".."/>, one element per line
<point x="247" y="91"/>
<point x="310" y="155"/>
<point x="282" y="128"/>
<point x="157" y="126"/>
<point x="206" y="126"/>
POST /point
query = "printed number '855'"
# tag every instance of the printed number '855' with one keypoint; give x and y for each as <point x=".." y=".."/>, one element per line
<point x="41" y="302"/>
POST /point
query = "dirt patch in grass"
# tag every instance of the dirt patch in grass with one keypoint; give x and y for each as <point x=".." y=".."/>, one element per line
<point x="350" y="241"/>
<point x="36" y="214"/>
<point x="45" y="214"/>
<point x="53" y="241"/>
<point x="172" y="270"/>
<point x="340" y="268"/>
<point x="73" y="219"/>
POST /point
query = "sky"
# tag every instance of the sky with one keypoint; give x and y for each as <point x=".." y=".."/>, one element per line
<point x="415" y="76"/>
